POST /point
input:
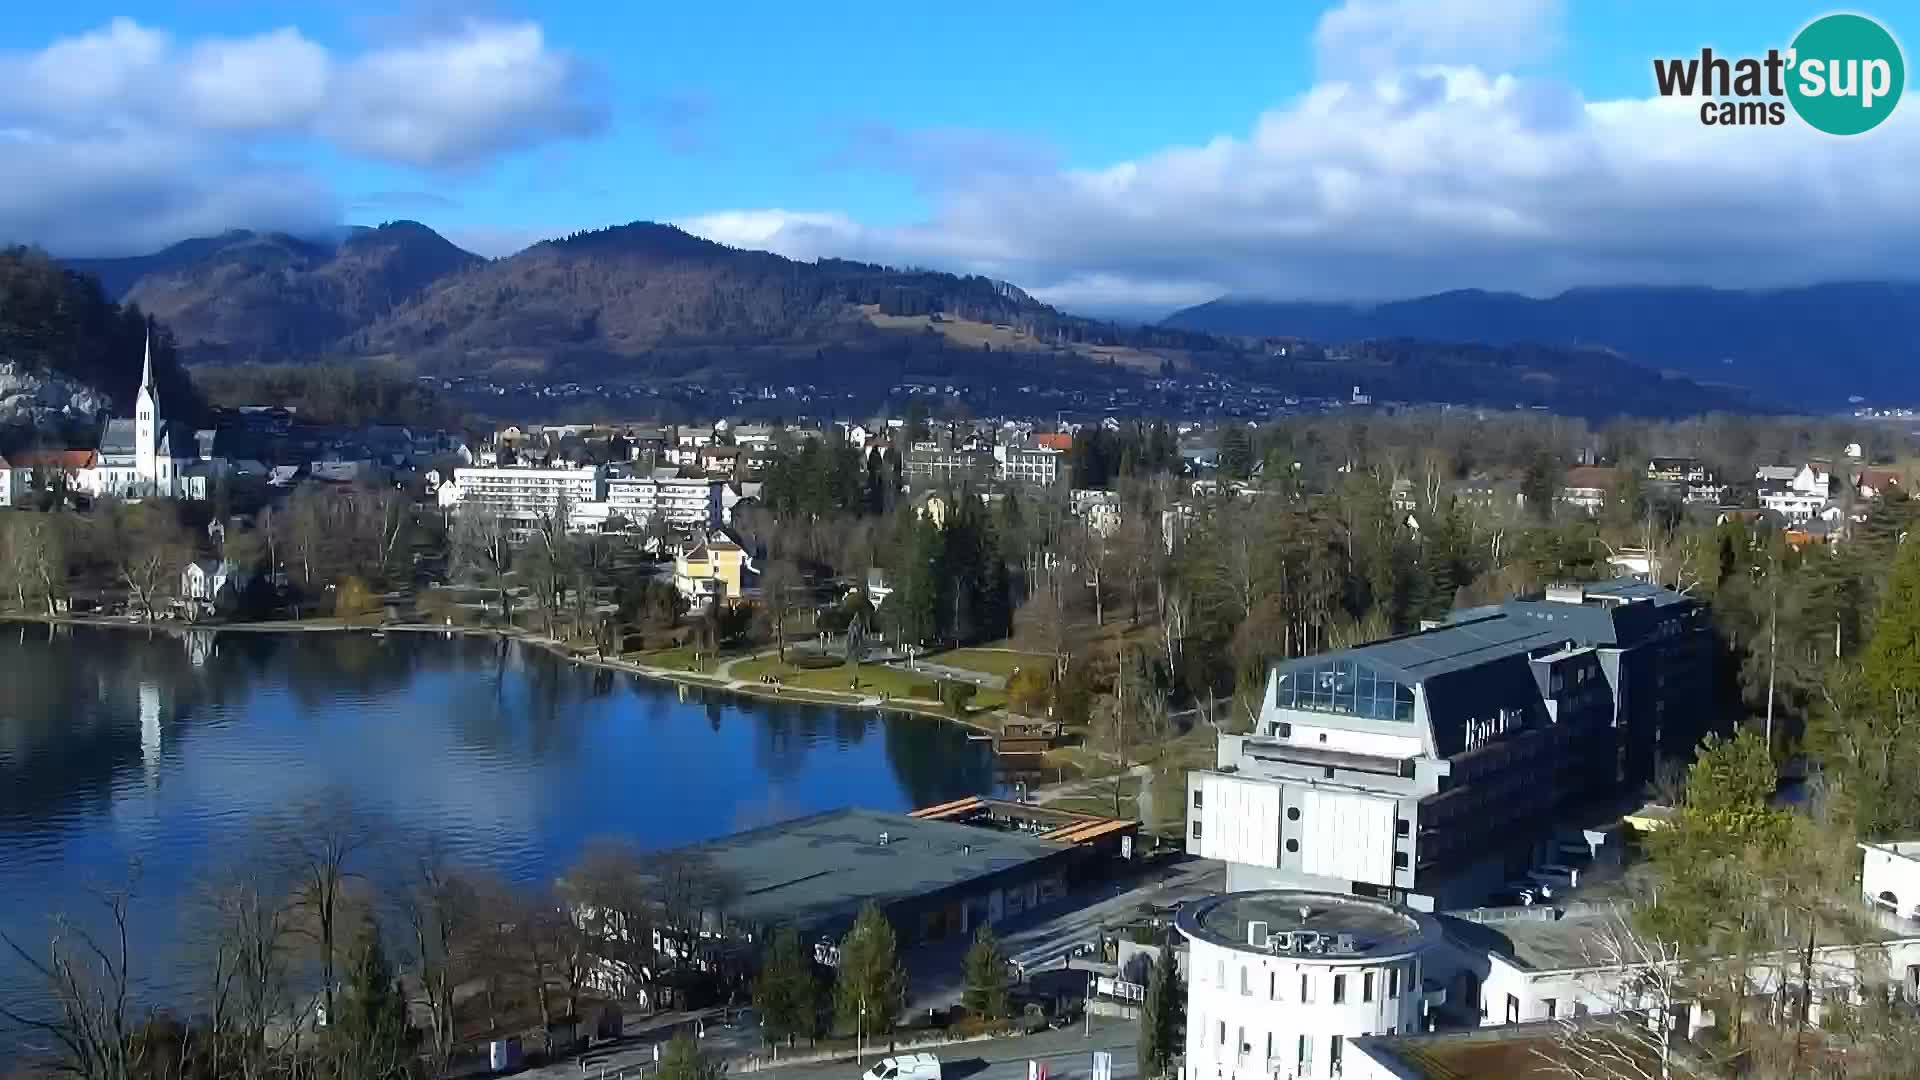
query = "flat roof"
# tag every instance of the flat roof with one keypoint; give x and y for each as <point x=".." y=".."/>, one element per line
<point x="1530" y="1051"/>
<point x="1379" y="929"/>
<point x="1541" y="939"/>
<point x="820" y="870"/>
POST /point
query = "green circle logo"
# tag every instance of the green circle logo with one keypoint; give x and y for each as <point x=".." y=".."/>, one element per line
<point x="1847" y="74"/>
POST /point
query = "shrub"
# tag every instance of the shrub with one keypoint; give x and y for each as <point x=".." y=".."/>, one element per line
<point x="955" y="695"/>
<point x="1030" y="690"/>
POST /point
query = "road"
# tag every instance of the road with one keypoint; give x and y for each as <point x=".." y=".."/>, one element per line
<point x="935" y="972"/>
<point x="1067" y="1054"/>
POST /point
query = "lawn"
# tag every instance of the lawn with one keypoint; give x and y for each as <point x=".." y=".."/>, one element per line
<point x="679" y="658"/>
<point x="992" y="661"/>
<point x="873" y="679"/>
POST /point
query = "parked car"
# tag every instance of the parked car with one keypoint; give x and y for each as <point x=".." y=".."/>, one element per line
<point x="905" y="1067"/>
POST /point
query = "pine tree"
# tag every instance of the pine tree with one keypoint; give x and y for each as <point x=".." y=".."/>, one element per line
<point x="1891" y="664"/>
<point x="784" y="992"/>
<point x="871" y="985"/>
<point x="1160" y="1018"/>
<point x="986" y="975"/>
<point x="370" y="1038"/>
<point x="1236" y="453"/>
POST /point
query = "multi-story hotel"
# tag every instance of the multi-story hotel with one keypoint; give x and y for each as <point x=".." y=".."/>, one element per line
<point x="1433" y="767"/>
<point x="682" y="501"/>
<point x="522" y="495"/>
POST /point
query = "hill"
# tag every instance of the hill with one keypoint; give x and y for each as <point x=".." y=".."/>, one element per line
<point x="246" y="295"/>
<point x="1820" y="344"/>
<point x="649" y="302"/>
<point x="56" y="322"/>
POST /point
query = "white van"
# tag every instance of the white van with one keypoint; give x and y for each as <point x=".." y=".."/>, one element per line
<point x="906" y="1067"/>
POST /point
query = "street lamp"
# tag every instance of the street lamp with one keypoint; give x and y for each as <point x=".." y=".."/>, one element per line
<point x="860" y="1035"/>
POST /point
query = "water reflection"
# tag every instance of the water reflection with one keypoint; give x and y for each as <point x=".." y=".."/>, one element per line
<point x="173" y="748"/>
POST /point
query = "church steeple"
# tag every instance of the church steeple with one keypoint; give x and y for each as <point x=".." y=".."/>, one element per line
<point x="146" y="367"/>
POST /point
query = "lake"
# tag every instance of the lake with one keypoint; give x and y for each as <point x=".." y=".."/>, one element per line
<point x="173" y="749"/>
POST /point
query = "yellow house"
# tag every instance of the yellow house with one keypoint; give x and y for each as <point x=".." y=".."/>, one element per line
<point x="711" y="571"/>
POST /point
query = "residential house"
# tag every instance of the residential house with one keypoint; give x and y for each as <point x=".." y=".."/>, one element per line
<point x="26" y="471"/>
<point x="206" y="583"/>
<point x="1877" y="483"/>
<point x="1815" y="478"/>
<point x="1099" y="509"/>
<point x="1401" y="495"/>
<point x="712" y="571"/>
<point x="1589" y="488"/>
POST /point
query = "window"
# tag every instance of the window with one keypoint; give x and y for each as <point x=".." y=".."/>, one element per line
<point x="1220" y="976"/>
<point x="1243" y="1041"/>
<point x="1283" y="730"/>
<point x="1306" y="1055"/>
<point x="1196" y="830"/>
<point x="1399" y="860"/>
<point x="1333" y="1054"/>
<point x="1293" y="846"/>
<point x="1246" y="989"/>
<point x="1513" y="1009"/>
<point x="1273" y="987"/>
<point x="1393" y="982"/>
<point x="1196" y="798"/>
<point x="1223" y="1033"/>
<point x="1366" y="987"/>
<point x="1306" y="989"/>
<point x="1552" y="1007"/>
<point x="1293" y="813"/>
<point x="1401" y="826"/>
<point x="1269" y="1046"/>
<point x="1339" y="989"/>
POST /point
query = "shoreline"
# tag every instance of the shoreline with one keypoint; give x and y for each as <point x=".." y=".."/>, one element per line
<point x="701" y="680"/>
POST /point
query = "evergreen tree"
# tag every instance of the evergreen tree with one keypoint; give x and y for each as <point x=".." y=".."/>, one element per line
<point x="1236" y="453"/>
<point x="871" y="985"/>
<point x="1160" y="1018"/>
<point x="986" y="975"/>
<point x="785" y="992"/>
<point x="682" y="1060"/>
<point x="370" y="1039"/>
<point x="1891" y="664"/>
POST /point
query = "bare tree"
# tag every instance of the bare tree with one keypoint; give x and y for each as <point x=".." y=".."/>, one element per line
<point x="444" y="918"/>
<point x="481" y="547"/>
<point x="1640" y="987"/>
<point x="247" y="953"/>
<point x="149" y="553"/>
<point x="87" y="1021"/>
<point x="323" y="845"/>
<point x="612" y="899"/>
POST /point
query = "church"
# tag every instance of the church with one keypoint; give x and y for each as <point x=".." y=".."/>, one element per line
<point x="147" y="455"/>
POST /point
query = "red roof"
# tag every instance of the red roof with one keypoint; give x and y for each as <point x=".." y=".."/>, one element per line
<point x="1053" y="440"/>
<point x="1878" y="478"/>
<point x="66" y="460"/>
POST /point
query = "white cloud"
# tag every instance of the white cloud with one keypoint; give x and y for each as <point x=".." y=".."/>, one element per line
<point x="1415" y="177"/>
<point x="463" y="97"/>
<point x="123" y="134"/>
<point x="1361" y="38"/>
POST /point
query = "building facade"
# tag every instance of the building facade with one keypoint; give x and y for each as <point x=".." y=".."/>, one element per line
<point x="1278" y="981"/>
<point x="1431" y="768"/>
<point x="147" y="455"/>
<point x="524" y="495"/>
<point x="682" y="501"/>
<point x="931" y="467"/>
<point x="1029" y="465"/>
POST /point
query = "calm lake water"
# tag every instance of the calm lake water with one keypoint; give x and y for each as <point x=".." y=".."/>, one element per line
<point x="178" y="750"/>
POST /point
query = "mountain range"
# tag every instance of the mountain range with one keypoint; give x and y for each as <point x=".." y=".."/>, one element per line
<point x="1823" y="344"/>
<point x="649" y="301"/>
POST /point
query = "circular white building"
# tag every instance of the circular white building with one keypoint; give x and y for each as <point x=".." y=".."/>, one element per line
<point x="1278" y="980"/>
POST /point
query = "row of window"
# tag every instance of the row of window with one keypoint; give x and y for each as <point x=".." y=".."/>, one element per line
<point x="1303" y="1049"/>
<point x="1367" y="982"/>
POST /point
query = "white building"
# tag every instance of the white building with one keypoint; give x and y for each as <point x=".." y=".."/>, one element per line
<point x="1890" y="876"/>
<point x="1034" y="466"/>
<point x="522" y="495"/>
<point x="1279" y="980"/>
<point x="147" y="455"/>
<point x="1798" y="507"/>
<point x="683" y="501"/>
<point x="1541" y="963"/>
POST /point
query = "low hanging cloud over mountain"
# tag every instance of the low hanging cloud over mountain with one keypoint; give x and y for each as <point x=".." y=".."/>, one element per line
<point x="125" y="138"/>
<point x="1417" y="162"/>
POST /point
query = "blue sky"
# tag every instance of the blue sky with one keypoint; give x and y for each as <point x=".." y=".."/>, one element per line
<point x="1095" y="153"/>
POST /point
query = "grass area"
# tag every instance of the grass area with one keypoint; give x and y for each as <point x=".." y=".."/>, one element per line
<point x="679" y="658"/>
<point x="873" y="679"/>
<point x="992" y="661"/>
<point x="1099" y="800"/>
